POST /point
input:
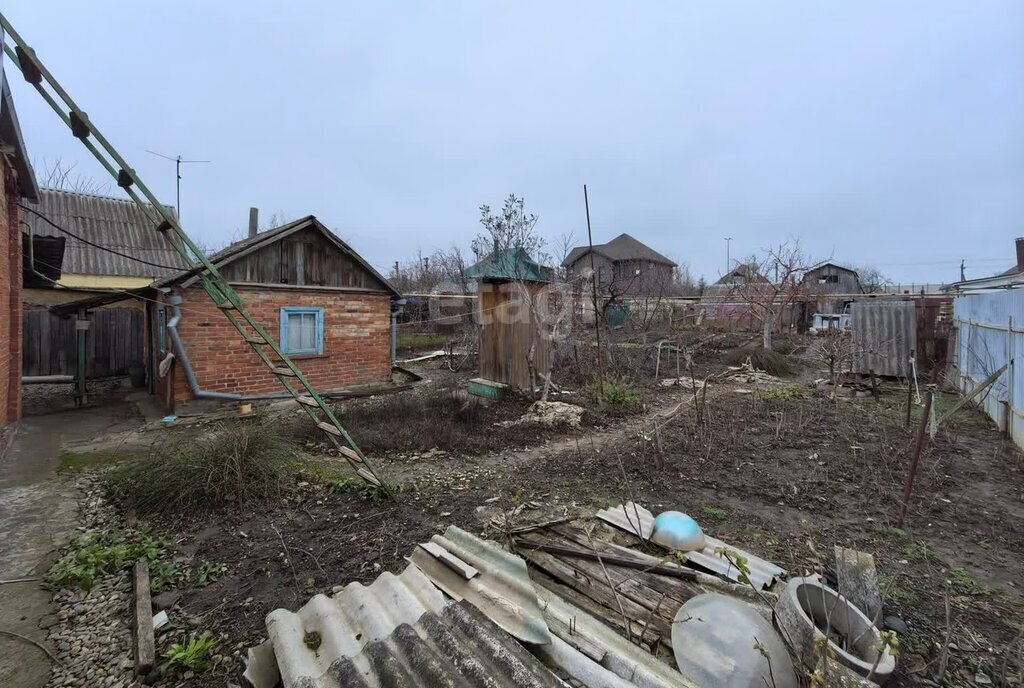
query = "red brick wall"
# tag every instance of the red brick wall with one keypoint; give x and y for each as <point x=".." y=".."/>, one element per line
<point x="357" y="341"/>
<point x="10" y="301"/>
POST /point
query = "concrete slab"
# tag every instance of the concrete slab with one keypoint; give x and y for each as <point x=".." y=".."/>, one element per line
<point x="38" y="510"/>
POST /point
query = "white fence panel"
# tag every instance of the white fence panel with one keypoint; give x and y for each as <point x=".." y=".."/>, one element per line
<point x="989" y="334"/>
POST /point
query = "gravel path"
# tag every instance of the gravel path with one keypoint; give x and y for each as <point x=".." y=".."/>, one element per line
<point x="92" y="630"/>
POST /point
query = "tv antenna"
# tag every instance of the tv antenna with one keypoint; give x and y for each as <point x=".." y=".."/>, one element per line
<point x="178" y="162"/>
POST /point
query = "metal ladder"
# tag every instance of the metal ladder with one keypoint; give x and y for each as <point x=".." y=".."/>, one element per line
<point x="165" y="221"/>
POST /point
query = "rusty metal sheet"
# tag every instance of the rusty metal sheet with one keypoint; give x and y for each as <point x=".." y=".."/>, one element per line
<point x="503" y="590"/>
<point x="635" y="519"/>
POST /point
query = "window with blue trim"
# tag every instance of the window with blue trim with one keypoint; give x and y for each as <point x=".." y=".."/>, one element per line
<point x="302" y="330"/>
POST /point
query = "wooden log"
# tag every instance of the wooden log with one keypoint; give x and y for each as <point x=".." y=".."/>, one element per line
<point x="858" y="581"/>
<point x="144" y="638"/>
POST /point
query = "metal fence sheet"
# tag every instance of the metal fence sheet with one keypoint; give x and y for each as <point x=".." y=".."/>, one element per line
<point x="884" y="334"/>
<point x="989" y="334"/>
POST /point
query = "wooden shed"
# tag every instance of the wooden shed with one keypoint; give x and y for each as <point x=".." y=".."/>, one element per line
<point x="514" y="342"/>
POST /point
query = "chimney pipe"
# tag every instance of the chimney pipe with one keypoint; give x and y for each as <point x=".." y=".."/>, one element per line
<point x="254" y="221"/>
<point x="1020" y="252"/>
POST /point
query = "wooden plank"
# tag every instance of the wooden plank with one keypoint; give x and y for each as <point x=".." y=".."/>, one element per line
<point x="329" y="428"/>
<point x="369" y="477"/>
<point x="285" y="372"/>
<point x="350" y="454"/>
<point x="144" y="640"/>
<point x="597" y="589"/>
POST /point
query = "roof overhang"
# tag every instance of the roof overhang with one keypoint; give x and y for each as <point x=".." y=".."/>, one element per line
<point x="98" y="300"/>
<point x="10" y="137"/>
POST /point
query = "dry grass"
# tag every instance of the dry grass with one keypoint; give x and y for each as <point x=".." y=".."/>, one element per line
<point x="770" y="362"/>
<point x="234" y="464"/>
<point x="447" y="419"/>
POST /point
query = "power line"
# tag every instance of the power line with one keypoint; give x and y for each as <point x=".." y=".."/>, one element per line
<point x="176" y="268"/>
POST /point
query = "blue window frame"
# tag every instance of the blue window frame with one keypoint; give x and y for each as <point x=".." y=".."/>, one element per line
<point x="302" y="330"/>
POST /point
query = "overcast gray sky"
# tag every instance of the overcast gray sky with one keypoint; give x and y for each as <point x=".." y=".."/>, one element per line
<point x="879" y="132"/>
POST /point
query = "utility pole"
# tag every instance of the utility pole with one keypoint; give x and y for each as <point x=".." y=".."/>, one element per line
<point x="593" y="282"/>
<point x="728" y="260"/>
<point x="396" y="269"/>
<point x="962" y="278"/>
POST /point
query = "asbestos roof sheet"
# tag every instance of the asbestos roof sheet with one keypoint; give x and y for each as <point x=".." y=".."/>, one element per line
<point x="637" y="520"/>
<point x="577" y="643"/>
<point x="398" y="631"/>
<point x="114" y="223"/>
<point x="502" y="590"/>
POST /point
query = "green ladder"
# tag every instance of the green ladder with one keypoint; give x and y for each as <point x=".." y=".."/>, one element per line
<point x="165" y="221"/>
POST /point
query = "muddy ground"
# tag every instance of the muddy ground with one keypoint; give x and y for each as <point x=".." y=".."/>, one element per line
<point x="781" y="470"/>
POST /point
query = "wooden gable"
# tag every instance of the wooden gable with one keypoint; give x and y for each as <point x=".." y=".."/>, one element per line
<point x="305" y="258"/>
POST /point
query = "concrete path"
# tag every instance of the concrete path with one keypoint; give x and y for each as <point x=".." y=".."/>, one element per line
<point x="38" y="509"/>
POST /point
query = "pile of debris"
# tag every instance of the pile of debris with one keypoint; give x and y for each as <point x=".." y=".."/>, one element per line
<point x="745" y="373"/>
<point x="550" y="414"/>
<point x="608" y="601"/>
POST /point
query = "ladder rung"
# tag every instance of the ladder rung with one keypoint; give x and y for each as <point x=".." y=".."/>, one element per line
<point x="329" y="427"/>
<point x="350" y="454"/>
<point x="369" y="477"/>
<point x="226" y="306"/>
<point x="258" y="341"/>
<point x="287" y="372"/>
<point x="307" y="401"/>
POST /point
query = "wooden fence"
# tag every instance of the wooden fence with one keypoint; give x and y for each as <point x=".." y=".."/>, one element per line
<point x="114" y="341"/>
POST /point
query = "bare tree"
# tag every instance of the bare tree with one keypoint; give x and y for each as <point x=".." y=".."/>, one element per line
<point x="512" y="229"/>
<point x="872" y="280"/>
<point x="768" y="299"/>
<point x="63" y="177"/>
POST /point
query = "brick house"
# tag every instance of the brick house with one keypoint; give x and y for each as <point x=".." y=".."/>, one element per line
<point x="19" y="184"/>
<point x="329" y="308"/>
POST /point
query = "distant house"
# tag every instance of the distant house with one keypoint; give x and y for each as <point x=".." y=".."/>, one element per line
<point x="623" y="267"/>
<point x="329" y="309"/>
<point x="742" y="274"/>
<point x="108" y="244"/>
<point x="19" y="185"/>
<point x="829" y="287"/>
<point x="1006" y="278"/>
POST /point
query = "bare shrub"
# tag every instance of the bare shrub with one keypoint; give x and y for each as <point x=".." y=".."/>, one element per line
<point x="770" y="362"/>
<point x="237" y="463"/>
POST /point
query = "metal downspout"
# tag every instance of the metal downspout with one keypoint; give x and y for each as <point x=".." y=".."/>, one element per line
<point x="198" y="392"/>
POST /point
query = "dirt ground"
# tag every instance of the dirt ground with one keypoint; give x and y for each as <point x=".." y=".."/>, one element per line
<point x="779" y="469"/>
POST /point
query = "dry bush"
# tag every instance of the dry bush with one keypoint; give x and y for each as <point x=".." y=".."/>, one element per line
<point x="447" y="419"/>
<point x="238" y="463"/>
<point x="770" y="362"/>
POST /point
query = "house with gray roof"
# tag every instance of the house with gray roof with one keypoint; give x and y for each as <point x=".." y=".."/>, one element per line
<point x="624" y="266"/>
<point x="109" y="244"/>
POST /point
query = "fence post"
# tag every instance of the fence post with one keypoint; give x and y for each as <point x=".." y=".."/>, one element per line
<point x="1009" y="377"/>
<point x="81" y="327"/>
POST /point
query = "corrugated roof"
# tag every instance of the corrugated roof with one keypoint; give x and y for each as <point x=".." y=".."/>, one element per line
<point x="398" y="631"/>
<point x="762" y="572"/>
<point x="576" y="643"/>
<point x="622" y="247"/>
<point x="114" y="223"/>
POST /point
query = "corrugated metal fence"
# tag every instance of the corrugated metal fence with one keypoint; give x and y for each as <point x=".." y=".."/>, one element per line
<point x="113" y="342"/>
<point x="989" y="330"/>
<point x="884" y="334"/>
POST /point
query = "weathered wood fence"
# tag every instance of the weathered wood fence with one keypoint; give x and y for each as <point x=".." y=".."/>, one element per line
<point x="114" y="341"/>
